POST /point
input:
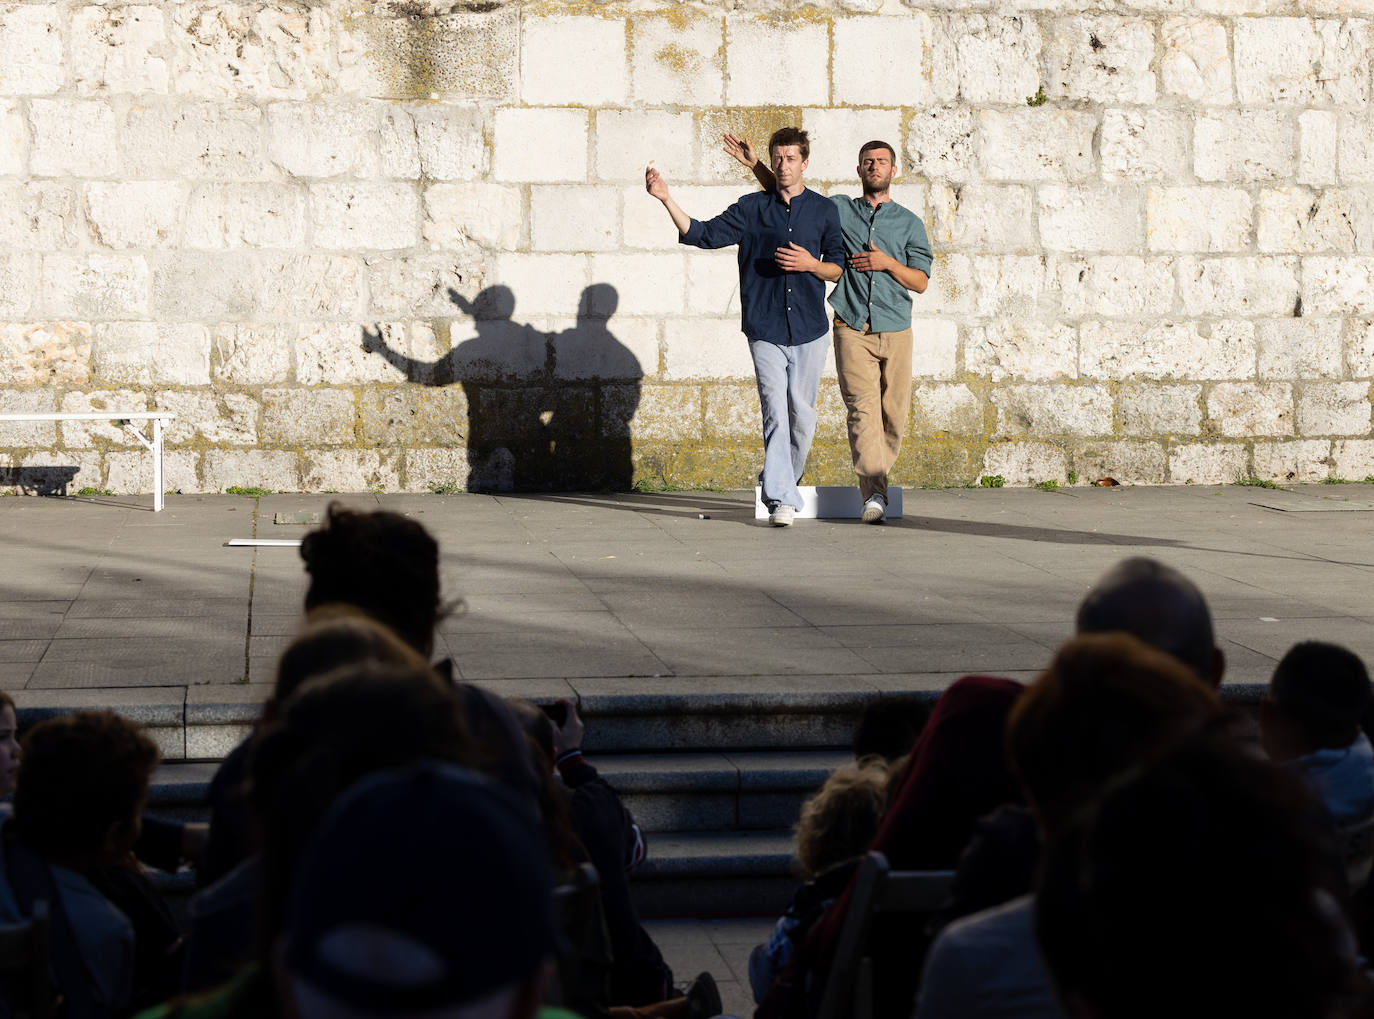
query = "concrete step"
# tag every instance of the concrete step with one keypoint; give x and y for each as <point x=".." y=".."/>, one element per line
<point x="736" y="873"/>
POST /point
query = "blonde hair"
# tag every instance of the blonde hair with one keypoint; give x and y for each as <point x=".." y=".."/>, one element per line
<point x="839" y="822"/>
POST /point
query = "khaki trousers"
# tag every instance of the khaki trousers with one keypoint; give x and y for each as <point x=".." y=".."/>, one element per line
<point x="875" y="381"/>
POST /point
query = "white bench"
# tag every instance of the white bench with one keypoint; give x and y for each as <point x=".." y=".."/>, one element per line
<point x="152" y="443"/>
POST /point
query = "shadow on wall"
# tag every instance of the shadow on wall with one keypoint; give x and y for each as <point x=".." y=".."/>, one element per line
<point x="545" y="410"/>
<point x="38" y="480"/>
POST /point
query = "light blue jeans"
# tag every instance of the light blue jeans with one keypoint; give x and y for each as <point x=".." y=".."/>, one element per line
<point x="788" y="378"/>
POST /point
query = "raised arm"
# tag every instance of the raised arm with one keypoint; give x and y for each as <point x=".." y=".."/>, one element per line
<point x="742" y="150"/>
<point x="658" y="187"/>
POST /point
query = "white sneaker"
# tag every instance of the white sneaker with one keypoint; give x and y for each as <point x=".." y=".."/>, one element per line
<point x="782" y="516"/>
<point x="874" y="509"/>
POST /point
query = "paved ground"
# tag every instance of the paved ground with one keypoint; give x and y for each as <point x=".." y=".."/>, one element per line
<point x="603" y="593"/>
<point x="719" y="946"/>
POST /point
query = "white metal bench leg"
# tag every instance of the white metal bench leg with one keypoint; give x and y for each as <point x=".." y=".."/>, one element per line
<point x="154" y="446"/>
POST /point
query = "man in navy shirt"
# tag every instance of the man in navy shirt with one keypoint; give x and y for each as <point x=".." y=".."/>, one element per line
<point x="781" y="235"/>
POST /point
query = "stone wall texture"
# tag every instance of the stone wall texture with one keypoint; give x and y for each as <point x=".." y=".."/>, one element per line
<point x="399" y="246"/>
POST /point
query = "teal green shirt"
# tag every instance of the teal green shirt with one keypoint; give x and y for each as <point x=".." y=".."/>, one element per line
<point x="875" y="297"/>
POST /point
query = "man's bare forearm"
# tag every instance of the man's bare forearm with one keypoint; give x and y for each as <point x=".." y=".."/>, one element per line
<point x="681" y="220"/>
<point x="828" y="271"/>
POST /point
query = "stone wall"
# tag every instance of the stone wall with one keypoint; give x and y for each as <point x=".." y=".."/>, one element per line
<point x="396" y="246"/>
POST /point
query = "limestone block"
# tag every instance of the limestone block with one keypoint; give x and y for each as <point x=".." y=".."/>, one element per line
<point x="150" y="353"/>
<point x="229" y="418"/>
<point x="874" y="62"/>
<point x="99" y="285"/>
<point x="1298" y="462"/>
<point x="1294" y="60"/>
<point x="134" y="214"/>
<point x="47" y="354"/>
<point x="1208" y="463"/>
<point x="331" y="353"/>
<point x="577" y="218"/>
<point x="713" y="283"/>
<point x="1198" y="218"/>
<point x="996" y="58"/>
<point x="496" y="350"/>
<point x="1114" y="286"/>
<point x="592" y="348"/>
<point x="646" y="284"/>
<point x="940" y="143"/>
<point x="360" y="214"/>
<point x="1108" y="218"/>
<point x="115" y="49"/>
<point x="1343" y="71"/>
<point x="320" y="139"/>
<point x="1130" y="463"/>
<point x="1143" y="144"/>
<point x="788" y="61"/>
<point x="949" y="409"/>
<point x="350" y="470"/>
<point x="522" y="136"/>
<point x="702" y="348"/>
<point x="1147" y="409"/>
<point x="444" y="469"/>
<point x="1167" y="350"/>
<point x="836" y="136"/>
<point x="934" y="348"/>
<point x="19" y="281"/>
<point x="196" y="285"/>
<point x="677" y="58"/>
<point x="981" y="217"/>
<point x="1358" y="342"/>
<point x="248" y="355"/>
<point x="1025" y="463"/>
<point x="1052" y="410"/>
<point x="306" y="417"/>
<point x="1338" y="285"/>
<point x="1196" y="63"/>
<point x="1297" y="219"/>
<point x="28" y="401"/>
<point x="556" y="53"/>
<point x="1243" y="145"/>
<point x="462" y="54"/>
<point x="274" y="469"/>
<point x="472" y="213"/>
<point x="406" y="416"/>
<point x="668" y="414"/>
<point x="1299" y="348"/>
<point x="1101" y="58"/>
<point x="1238" y="286"/>
<point x="1352" y="459"/>
<point x="84" y="434"/>
<point x="755" y="123"/>
<point x="246" y="215"/>
<point x="196" y="140"/>
<point x="434" y="142"/>
<point x="1008" y="285"/>
<point x="37" y="216"/>
<point x="1355" y="151"/>
<point x="132" y="473"/>
<point x="311" y="287"/>
<point x="1240" y="409"/>
<point x="72" y="136"/>
<point x="272" y="50"/>
<point x="32" y="58"/>
<point x="627" y="139"/>
<point x="422" y="285"/>
<point x="543" y="284"/>
<point x="1044" y="144"/>
<point x="951" y="290"/>
<point x="732" y="412"/>
<point x="1317" y="146"/>
<point x="1334" y="408"/>
<point x="1021" y="349"/>
<point x="14" y="138"/>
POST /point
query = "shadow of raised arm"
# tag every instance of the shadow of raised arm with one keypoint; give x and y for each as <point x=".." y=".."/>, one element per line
<point x="414" y="370"/>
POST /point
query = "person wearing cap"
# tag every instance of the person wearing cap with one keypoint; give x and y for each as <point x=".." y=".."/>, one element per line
<point x="889" y="259"/>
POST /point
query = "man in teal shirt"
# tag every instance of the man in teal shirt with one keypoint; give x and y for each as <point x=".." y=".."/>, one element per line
<point x="889" y="256"/>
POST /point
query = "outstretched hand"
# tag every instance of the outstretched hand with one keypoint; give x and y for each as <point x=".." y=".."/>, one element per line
<point x="871" y="259"/>
<point x="655" y="184"/>
<point x="741" y="149"/>
<point x="795" y="258"/>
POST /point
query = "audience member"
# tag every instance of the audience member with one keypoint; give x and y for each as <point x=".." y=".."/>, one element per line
<point x="836" y="828"/>
<point x="1310" y="716"/>
<point x="82" y="783"/>
<point x="1106" y="702"/>
<point x="1196" y="887"/>
<point x="10" y="751"/>
<point x="889" y="726"/>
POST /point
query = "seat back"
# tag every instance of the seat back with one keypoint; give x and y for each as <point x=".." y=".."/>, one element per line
<point x="25" y="966"/>
<point x="877" y="889"/>
<point x="585" y="953"/>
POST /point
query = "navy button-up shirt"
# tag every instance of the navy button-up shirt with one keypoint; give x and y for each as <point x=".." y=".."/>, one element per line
<point x="780" y="307"/>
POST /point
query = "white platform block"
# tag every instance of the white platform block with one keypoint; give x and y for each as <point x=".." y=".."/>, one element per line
<point x="832" y="502"/>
